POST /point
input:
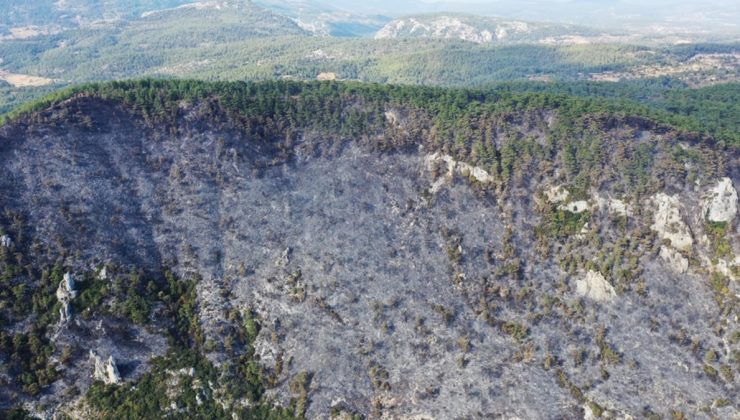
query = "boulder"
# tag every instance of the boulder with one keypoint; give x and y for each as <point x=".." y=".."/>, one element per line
<point x="613" y="206"/>
<point x="5" y="241"/>
<point x="674" y="259"/>
<point x="65" y="312"/>
<point x="721" y="202"/>
<point x="284" y="258"/>
<point x="668" y="224"/>
<point x="595" y="287"/>
<point x="105" y="371"/>
<point x="454" y="167"/>
<point x="65" y="293"/>
<point x="66" y="290"/>
<point x="69" y="282"/>
<point x="556" y="194"/>
<point x="575" y="206"/>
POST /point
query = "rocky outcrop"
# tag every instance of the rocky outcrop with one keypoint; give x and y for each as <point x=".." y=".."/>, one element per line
<point x="674" y="260"/>
<point x="668" y="224"/>
<point x="65" y="293"/>
<point x="575" y="206"/>
<point x="439" y="27"/>
<point x="725" y="267"/>
<point x="66" y="289"/>
<point x="721" y="202"/>
<point x="556" y="194"/>
<point x="595" y="287"/>
<point x="5" y="241"/>
<point x="284" y="258"/>
<point x="454" y="167"/>
<point x="65" y="312"/>
<point x="106" y="371"/>
<point x="613" y="206"/>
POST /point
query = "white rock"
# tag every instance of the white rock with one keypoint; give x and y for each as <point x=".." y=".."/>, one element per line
<point x="66" y="290"/>
<point x="65" y="312"/>
<point x="595" y="287"/>
<point x="65" y="293"/>
<point x="5" y="241"/>
<point x="111" y="370"/>
<point x="557" y="194"/>
<point x="476" y="172"/>
<point x="454" y="167"/>
<point x="674" y="259"/>
<point x="668" y="223"/>
<point x="588" y="414"/>
<point x="721" y="202"/>
<point x="393" y="117"/>
<point x="284" y="259"/>
<point x="726" y="268"/>
<point x="103" y="274"/>
<point x="105" y="371"/>
<point x="613" y="206"/>
<point x="575" y="206"/>
<point x="69" y="282"/>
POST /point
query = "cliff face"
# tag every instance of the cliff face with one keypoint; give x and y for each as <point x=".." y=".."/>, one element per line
<point x="401" y="281"/>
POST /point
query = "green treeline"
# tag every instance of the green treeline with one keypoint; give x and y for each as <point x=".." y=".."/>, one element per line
<point x="712" y="111"/>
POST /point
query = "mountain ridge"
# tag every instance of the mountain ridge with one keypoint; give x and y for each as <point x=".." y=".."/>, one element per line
<point x="486" y="29"/>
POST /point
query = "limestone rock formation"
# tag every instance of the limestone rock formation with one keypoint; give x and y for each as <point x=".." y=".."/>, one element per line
<point x="284" y="259"/>
<point x="66" y="290"/>
<point x="65" y="312"/>
<point x="575" y="206"/>
<point x="65" y="293"/>
<point x="556" y="194"/>
<point x="668" y="223"/>
<point x="454" y="167"/>
<point x="674" y="259"/>
<point x="105" y="371"/>
<point x="595" y="287"/>
<point x="721" y="203"/>
<point x="613" y="206"/>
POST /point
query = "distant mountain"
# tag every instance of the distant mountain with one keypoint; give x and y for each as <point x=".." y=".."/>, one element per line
<point x="481" y="29"/>
<point x="715" y="19"/>
<point x="327" y="20"/>
<point x="218" y="21"/>
<point x="72" y="13"/>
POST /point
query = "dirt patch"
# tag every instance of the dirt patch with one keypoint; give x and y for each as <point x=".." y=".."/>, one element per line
<point x="25" y="32"/>
<point x="326" y="76"/>
<point x="24" y="80"/>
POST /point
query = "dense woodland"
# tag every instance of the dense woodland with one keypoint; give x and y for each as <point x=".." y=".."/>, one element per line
<point x="254" y="44"/>
<point x="712" y="111"/>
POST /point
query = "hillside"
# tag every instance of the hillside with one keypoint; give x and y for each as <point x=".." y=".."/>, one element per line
<point x="253" y="44"/>
<point x="326" y="20"/>
<point x="483" y="29"/>
<point x="74" y="42"/>
<point x="283" y="249"/>
<point x="49" y="14"/>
